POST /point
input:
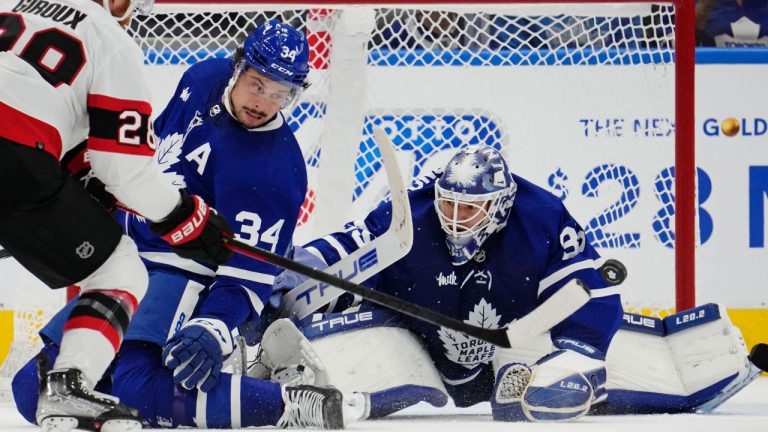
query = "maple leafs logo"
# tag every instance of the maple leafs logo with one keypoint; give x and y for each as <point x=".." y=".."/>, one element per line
<point x="464" y="172"/>
<point x="468" y="351"/>
<point x="167" y="154"/>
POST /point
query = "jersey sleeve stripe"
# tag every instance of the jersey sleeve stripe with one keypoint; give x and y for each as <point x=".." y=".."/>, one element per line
<point x="605" y="292"/>
<point x="171" y="259"/>
<point x="119" y="125"/>
<point x="246" y="275"/>
<point x="112" y="146"/>
<point x="118" y="105"/>
<point x="331" y="240"/>
<point x="564" y="272"/>
<point x="26" y="130"/>
<point x="256" y="302"/>
<point x="314" y="251"/>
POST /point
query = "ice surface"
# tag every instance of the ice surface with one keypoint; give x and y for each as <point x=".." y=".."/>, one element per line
<point x="745" y="412"/>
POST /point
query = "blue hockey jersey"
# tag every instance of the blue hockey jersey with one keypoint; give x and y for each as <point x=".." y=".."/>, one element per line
<point x="734" y="24"/>
<point x="256" y="178"/>
<point x="541" y="248"/>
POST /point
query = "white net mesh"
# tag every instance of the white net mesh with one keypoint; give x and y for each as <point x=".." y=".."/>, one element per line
<point x="580" y="98"/>
<point x="23" y="344"/>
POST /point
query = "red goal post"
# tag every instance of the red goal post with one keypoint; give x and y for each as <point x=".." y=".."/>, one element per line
<point x="317" y="15"/>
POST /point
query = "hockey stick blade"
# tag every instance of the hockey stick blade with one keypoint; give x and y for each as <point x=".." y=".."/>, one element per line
<point x="555" y="309"/>
<point x="759" y="356"/>
<point x="4" y="254"/>
<point x="371" y="258"/>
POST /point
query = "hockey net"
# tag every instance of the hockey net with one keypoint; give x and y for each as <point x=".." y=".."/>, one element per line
<point x="584" y="99"/>
<point x="580" y="97"/>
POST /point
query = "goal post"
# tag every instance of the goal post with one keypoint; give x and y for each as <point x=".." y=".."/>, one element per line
<point x="592" y="100"/>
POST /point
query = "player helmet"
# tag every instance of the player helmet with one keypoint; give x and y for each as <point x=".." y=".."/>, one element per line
<point x="473" y="198"/>
<point x="137" y="7"/>
<point x="280" y="53"/>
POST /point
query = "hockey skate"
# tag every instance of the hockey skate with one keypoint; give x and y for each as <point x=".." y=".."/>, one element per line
<point x="65" y="404"/>
<point x="310" y="406"/>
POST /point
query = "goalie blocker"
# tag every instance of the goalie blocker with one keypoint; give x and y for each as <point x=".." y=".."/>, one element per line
<point x="700" y="360"/>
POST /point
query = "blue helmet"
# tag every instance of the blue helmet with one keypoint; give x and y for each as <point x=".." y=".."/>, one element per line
<point x="279" y="52"/>
<point x="473" y="199"/>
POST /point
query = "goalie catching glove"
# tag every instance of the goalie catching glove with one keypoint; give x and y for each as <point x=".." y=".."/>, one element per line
<point x="196" y="231"/>
<point x="561" y="386"/>
<point x="196" y="353"/>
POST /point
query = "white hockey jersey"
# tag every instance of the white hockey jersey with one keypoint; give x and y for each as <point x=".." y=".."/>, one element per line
<point x="69" y="72"/>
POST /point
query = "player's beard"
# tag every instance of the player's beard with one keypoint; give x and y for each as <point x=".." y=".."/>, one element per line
<point x="252" y="118"/>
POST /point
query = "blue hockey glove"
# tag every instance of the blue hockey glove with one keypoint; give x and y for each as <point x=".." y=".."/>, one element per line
<point x="196" y="353"/>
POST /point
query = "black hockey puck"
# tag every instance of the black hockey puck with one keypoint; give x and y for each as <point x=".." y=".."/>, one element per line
<point x="613" y="272"/>
<point x="759" y="356"/>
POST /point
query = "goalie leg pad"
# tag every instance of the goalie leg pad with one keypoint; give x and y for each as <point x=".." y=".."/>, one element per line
<point x="699" y="360"/>
<point x="386" y="402"/>
<point x="287" y="357"/>
<point x="364" y="351"/>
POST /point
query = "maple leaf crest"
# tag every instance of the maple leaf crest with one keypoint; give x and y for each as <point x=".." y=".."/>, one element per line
<point x="465" y="172"/>
<point x="468" y="351"/>
<point x="167" y="154"/>
<point x="484" y="315"/>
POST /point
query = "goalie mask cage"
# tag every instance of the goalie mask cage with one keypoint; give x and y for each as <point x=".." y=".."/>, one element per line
<point x="593" y="101"/>
<point x="590" y="100"/>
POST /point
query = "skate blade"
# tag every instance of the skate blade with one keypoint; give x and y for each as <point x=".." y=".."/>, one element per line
<point x="58" y="424"/>
<point x="120" y="425"/>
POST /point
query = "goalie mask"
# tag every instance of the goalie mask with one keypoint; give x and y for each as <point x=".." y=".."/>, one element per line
<point x="473" y="199"/>
<point x="135" y="7"/>
<point x="278" y="52"/>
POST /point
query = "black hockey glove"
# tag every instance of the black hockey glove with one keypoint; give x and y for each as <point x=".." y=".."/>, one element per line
<point x="78" y="164"/>
<point x="195" y="231"/>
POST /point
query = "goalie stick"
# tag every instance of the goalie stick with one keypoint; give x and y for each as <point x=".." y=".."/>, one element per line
<point x="370" y="259"/>
<point x="555" y="309"/>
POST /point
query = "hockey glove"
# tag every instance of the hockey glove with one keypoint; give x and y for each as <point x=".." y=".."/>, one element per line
<point x="195" y="231"/>
<point x="77" y="162"/>
<point x="196" y="353"/>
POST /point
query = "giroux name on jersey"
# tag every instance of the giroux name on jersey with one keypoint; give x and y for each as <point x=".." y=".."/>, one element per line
<point x="55" y="11"/>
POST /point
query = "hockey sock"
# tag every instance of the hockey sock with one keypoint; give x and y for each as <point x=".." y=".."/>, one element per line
<point x="234" y="402"/>
<point x="94" y="330"/>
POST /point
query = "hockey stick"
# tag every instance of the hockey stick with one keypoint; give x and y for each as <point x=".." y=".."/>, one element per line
<point x="550" y="313"/>
<point x="370" y="259"/>
<point x="4" y="254"/>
